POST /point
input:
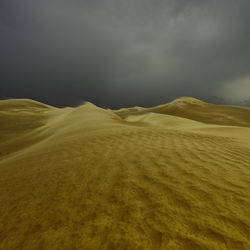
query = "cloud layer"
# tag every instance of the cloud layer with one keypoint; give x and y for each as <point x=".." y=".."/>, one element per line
<point x="123" y="53"/>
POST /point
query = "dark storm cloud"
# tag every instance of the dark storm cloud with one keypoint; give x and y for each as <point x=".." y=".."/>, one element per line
<point x="123" y="53"/>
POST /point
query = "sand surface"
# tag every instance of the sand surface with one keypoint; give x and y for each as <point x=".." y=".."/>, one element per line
<point x="175" y="176"/>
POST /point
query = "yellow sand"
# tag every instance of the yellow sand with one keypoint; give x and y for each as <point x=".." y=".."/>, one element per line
<point x="175" y="176"/>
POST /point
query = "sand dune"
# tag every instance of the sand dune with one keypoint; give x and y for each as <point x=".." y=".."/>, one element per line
<point x="175" y="176"/>
<point x="197" y="110"/>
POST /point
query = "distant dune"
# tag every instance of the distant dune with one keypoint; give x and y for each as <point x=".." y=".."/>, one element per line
<point x="175" y="176"/>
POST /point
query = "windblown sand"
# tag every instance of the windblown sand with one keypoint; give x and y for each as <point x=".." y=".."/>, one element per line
<point x="175" y="176"/>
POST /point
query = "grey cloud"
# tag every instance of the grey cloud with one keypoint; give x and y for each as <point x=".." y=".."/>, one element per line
<point x="122" y="53"/>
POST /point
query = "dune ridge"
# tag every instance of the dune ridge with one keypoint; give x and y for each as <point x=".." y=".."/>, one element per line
<point x="175" y="176"/>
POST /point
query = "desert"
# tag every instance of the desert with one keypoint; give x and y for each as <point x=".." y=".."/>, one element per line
<point x="174" y="176"/>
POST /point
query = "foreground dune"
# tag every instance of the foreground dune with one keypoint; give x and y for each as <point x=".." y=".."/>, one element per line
<point x="175" y="176"/>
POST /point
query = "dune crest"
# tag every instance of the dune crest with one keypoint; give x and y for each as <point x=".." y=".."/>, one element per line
<point x="174" y="176"/>
<point x="21" y="104"/>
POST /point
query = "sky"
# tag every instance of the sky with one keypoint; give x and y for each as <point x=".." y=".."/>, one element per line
<point x="117" y="53"/>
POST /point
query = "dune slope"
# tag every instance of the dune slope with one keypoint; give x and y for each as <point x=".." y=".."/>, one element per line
<point x="174" y="176"/>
